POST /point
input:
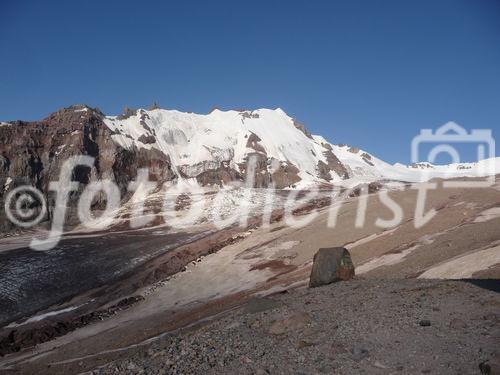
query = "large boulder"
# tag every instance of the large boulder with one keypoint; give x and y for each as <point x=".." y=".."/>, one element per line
<point x="330" y="265"/>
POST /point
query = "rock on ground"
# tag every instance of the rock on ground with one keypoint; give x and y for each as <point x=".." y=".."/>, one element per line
<point x="330" y="265"/>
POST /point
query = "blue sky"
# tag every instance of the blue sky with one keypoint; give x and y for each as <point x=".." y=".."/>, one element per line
<point x="367" y="73"/>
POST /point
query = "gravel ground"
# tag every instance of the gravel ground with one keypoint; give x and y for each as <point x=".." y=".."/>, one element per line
<point x="355" y="327"/>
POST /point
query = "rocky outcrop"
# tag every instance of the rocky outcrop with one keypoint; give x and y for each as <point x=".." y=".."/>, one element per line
<point x="32" y="153"/>
<point x="367" y="158"/>
<point x="220" y="176"/>
<point x="285" y="175"/>
<point x="332" y="164"/>
<point x="302" y="128"/>
<point x="147" y="139"/>
<point x="253" y="143"/>
<point x="370" y="188"/>
<point x="331" y="265"/>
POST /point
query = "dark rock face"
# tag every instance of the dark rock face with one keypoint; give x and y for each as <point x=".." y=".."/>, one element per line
<point x="260" y="174"/>
<point x="219" y="176"/>
<point x="286" y="175"/>
<point x="371" y="188"/>
<point x="330" y="265"/>
<point x="268" y="171"/>
<point x="302" y="128"/>
<point x="253" y="142"/>
<point x="332" y="164"/>
<point x="247" y="115"/>
<point x="367" y="158"/>
<point x="32" y="153"/>
<point x="147" y="139"/>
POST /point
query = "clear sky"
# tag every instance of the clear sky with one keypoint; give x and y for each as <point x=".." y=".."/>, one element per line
<point x="367" y="73"/>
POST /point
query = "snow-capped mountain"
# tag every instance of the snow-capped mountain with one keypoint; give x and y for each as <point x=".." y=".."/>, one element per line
<point x="212" y="150"/>
<point x="215" y="147"/>
<point x="287" y="154"/>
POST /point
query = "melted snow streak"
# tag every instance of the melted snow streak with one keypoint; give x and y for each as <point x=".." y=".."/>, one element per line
<point x="464" y="266"/>
<point x="37" y="318"/>
<point x="196" y="142"/>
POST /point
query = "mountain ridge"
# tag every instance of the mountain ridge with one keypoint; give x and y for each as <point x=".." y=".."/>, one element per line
<point x="209" y="149"/>
<point x="329" y="163"/>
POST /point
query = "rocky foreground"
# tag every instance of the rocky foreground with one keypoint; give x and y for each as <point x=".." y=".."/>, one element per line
<point x="353" y="327"/>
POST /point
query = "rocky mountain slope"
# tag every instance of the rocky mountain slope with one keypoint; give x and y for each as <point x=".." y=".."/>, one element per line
<point x="32" y="153"/>
<point x="356" y="327"/>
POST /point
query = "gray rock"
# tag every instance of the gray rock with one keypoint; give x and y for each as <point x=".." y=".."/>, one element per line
<point x="330" y="265"/>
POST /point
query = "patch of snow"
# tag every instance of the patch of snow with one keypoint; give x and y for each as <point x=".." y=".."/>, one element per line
<point x="358" y="168"/>
<point x="490" y="214"/>
<point x="384" y="260"/>
<point x="37" y="318"/>
<point x="8" y="181"/>
<point x="392" y="258"/>
<point x="371" y="237"/>
<point x="464" y="266"/>
<point x="218" y="274"/>
<point x="60" y="149"/>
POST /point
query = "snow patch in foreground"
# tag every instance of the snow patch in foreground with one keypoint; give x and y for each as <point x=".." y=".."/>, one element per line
<point x="392" y="258"/>
<point x="464" y="266"/>
<point x="384" y="260"/>
<point x="487" y="215"/>
<point x="37" y="318"/>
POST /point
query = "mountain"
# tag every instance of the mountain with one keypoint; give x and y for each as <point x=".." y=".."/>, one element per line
<point x="204" y="150"/>
<point x="123" y="287"/>
<point x="215" y="148"/>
